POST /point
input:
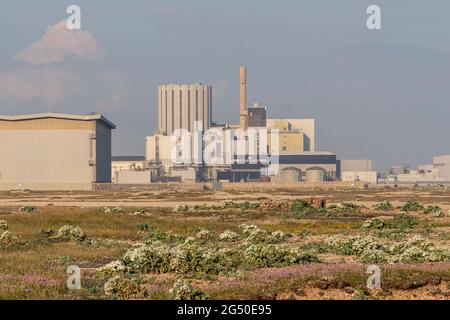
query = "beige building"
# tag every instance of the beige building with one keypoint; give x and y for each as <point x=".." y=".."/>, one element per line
<point x="364" y="176"/>
<point x="179" y="106"/>
<point x="126" y="163"/>
<point x="295" y="135"/>
<point x="159" y="149"/>
<point x="358" y="170"/>
<point x="442" y="164"/>
<point x="54" y="151"/>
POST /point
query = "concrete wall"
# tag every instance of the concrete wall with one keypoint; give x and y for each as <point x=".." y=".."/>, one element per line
<point x="54" y="154"/>
<point x="179" y="106"/>
<point x="117" y="166"/>
<point x="364" y="176"/>
<point x="442" y="163"/>
<point x="356" y="165"/>
<point x="134" y="177"/>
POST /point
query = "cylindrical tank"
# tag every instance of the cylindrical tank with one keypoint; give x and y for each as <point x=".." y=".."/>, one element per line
<point x="315" y="174"/>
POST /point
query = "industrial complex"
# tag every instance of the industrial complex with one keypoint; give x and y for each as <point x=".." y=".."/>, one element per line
<point x="73" y="152"/>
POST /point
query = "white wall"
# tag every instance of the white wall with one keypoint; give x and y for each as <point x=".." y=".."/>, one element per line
<point x="442" y="163"/>
<point x="365" y="176"/>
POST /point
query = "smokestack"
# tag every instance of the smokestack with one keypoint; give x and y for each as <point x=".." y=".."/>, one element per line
<point x="243" y="98"/>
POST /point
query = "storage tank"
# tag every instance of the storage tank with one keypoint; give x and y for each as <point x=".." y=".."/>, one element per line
<point x="315" y="174"/>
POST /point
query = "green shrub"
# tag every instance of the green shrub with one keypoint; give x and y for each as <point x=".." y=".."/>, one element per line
<point x="183" y="290"/>
<point x="7" y="239"/>
<point x="229" y="236"/>
<point x="143" y="226"/>
<point x="435" y="211"/>
<point x="71" y="233"/>
<point x="114" y="267"/>
<point x="300" y="205"/>
<point x="3" y="225"/>
<point x="374" y="223"/>
<point x="262" y="256"/>
<point x="383" y="206"/>
<point x="412" y="206"/>
<point x="165" y="237"/>
<point x="28" y="209"/>
<point x="116" y="210"/>
<point x="121" y="287"/>
<point x="402" y="221"/>
<point x="154" y="257"/>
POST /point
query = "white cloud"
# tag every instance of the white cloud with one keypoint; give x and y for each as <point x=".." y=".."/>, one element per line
<point x="115" y="91"/>
<point x="52" y="86"/>
<point x="59" y="42"/>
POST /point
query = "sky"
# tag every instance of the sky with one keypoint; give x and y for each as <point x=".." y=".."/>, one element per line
<point x="375" y="94"/>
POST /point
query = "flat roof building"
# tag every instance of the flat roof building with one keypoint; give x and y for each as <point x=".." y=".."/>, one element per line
<point x="52" y="151"/>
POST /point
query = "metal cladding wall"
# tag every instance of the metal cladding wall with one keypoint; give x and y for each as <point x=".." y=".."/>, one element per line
<point x="54" y="154"/>
<point x="179" y="106"/>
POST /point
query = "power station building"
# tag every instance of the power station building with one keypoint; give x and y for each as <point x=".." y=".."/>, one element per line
<point x="289" y="142"/>
<point x="180" y="106"/>
<point x="53" y="151"/>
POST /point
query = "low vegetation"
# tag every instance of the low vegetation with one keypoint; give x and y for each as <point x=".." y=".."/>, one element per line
<point x="248" y="248"/>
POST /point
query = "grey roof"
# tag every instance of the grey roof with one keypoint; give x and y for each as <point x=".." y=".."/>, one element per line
<point x="95" y="116"/>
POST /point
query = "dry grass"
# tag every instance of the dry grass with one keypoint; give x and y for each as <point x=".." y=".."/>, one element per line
<point x="35" y="268"/>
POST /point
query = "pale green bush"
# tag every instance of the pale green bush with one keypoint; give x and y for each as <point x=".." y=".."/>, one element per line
<point x="374" y="223"/>
<point x="260" y="256"/>
<point x="205" y="235"/>
<point x="114" y="267"/>
<point x="3" y="225"/>
<point x="7" y="238"/>
<point x="116" y="210"/>
<point x="229" y="236"/>
<point x="418" y="250"/>
<point x="183" y="290"/>
<point x="121" y="287"/>
<point x="154" y="257"/>
<point x="71" y="233"/>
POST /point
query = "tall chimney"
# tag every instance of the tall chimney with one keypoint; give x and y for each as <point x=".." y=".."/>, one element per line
<point x="243" y="98"/>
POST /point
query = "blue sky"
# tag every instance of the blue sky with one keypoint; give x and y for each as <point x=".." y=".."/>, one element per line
<point x="383" y="95"/>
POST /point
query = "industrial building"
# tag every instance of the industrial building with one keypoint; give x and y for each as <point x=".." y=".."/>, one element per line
<point x="180" y="106"/>
<point x="126" y="163"/>
<point x="52" y="151"/>
<point x="358" y="170"/>
<point x="436" y="173"/>
<point x="257" y="116"/>
<point x="289" y="143"/>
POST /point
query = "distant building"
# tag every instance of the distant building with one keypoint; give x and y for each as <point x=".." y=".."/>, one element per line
<point x="52" y="151"/>
<point x="324" y="161"/>
<point x="179" y="106"/>
<point x="442" y="163"/>
<point x="126" y="163"/>
<point x="295" y="134"/>
<point x="436" y="173"/>
<point x="257" y="116"/>
<point x="358" y="170"/>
